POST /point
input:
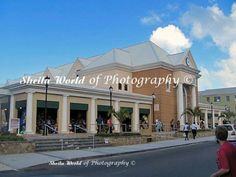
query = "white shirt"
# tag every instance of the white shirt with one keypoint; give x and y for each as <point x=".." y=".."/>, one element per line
<point x="186" y="127"/>
<point x="194" y="127"/>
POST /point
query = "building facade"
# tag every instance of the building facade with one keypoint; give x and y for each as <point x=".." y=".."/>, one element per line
<point x="147" y="81"/>
<point x="223" y="97"/>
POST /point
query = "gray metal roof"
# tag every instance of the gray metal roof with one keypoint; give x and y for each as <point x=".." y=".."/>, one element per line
<point x="133" y="56"/>
<point x="220" y="91"/>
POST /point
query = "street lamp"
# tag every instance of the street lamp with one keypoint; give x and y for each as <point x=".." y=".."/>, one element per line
<point x="47" y="78"/>
<point x="111" y="89"/>
<point x="153" y="99"/>
<point x="212" y="114"/>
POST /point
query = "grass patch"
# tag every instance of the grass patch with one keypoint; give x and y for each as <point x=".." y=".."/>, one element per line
<point x="11" y="137"/>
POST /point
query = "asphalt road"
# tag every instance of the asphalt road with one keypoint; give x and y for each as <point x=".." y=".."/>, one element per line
<point x="187" y="161"/>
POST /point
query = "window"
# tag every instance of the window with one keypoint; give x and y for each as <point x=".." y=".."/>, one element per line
<point x="217" y="99"/>
<point x="168" y="87"/>
<point x="77" y="72"/>
<point x="227" y="98"/>
<point x="120" y="86"/>
<point x="126" y="87"/>
<point x="208" y="99"/>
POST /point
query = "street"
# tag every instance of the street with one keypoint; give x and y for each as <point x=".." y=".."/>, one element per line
<point x="187" y="161"/>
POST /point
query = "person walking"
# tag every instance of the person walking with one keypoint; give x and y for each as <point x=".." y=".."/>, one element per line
<point x="158" y="125"/>
<point x="99" y="121"/>
<point x="186" y="130"/>
<point x="109" y="123"/>
<point x="194" y="130"/>
<point x="226" y="154"/>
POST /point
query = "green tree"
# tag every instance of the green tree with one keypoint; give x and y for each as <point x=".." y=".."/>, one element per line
<point x="120" y="115"/>
<point x="227" y="115"/>
<point x="194" y="113"/>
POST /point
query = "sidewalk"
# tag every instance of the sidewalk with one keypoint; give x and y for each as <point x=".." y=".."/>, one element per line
<point x="19" y="161"/>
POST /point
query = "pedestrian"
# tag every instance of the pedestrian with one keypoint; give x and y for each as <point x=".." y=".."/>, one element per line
<point x="226" y="154"/>
<point x="194" y="130"/>
<point x="172" y="125"/>
<point x="186" y="130"/>
<point x="109" y="123"/>
<point x="99" y="121"/>
<point x="158" y="125"/>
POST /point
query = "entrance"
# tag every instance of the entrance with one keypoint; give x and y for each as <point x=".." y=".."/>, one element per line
<point x="78" y="117"/>
<point x="143" y="118"/>
<point x="102" y="117"/>
<point x="127" y="123"/>
<point x="21" y="113"/>
<point x="51" y="118"/>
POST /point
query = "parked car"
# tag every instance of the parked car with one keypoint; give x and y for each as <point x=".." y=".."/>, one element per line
<point x="231" y="131"/>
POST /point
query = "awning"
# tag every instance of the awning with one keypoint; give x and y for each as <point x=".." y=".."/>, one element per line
<point x="104" y="108"/>
<point x="144" y="111"/>
<point x="78" y="106"/>
<point x="130" y="110"/>
<point x="50" y="104"/>
<point x="21" y="104"/>
<point x="4" y="106"/>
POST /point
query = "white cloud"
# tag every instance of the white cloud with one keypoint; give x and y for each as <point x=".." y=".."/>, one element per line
<point x="206" y="81"/>
<point x="212" y="22"/>
<point x="227" y="68"/>
<point x="170" y="38"/>
<point x="152" y="19"/>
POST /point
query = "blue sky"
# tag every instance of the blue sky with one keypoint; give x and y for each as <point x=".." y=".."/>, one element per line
<point x="48" y="33"/>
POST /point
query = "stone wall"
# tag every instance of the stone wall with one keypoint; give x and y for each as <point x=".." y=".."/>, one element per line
<point x="14" y="147"/>
<point x="119" y="141"/>
<point x="129" y="140"/>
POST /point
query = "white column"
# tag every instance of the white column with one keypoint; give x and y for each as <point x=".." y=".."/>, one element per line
<point x="93" y="116"/>
<point x="180" y="105"/>
<point x="114" y="119"/>
<point x="206" y="119"/>
<point x="29" y="114"/>
<point x="64" y="118"/>
<point x="136" y="118"/>
<point x="194" y="95"/>
<point x="220" y="121"/>
<point x="213" y="118"/>
<point x="12" y="108"/>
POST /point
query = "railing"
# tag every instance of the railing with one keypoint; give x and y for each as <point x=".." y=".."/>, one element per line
<point x="48" y="127"/>
<point x="85" y="130"/>
<point x="81" y="128"/>
<point x="105" y="128"/>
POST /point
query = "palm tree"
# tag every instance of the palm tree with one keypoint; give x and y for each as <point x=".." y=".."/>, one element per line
<point x="194" y="113"/>
<point x="227" y="115"/>
<point x="122" y="115"/>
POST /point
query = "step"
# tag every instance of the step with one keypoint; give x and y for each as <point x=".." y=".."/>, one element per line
<point x="53" y="148"/>
<point x="59" y="144"/>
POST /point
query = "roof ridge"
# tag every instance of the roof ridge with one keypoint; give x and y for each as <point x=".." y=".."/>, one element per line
<point x="222" y="88"/>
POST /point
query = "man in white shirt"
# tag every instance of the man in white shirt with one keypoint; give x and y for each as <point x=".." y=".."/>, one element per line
<point x="194" y="130"/>
<point x="186" y="129"/>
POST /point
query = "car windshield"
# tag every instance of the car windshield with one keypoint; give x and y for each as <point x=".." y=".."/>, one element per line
<point x="228" y="127"/>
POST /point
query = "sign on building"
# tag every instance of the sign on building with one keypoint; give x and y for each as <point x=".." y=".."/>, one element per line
<point x="15" y="124"/>
<point x="156" y="107"/>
